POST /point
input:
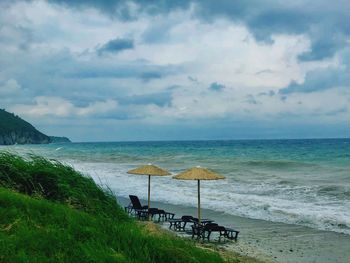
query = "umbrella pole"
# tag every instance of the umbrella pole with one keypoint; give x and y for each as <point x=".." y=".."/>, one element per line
<point x="199" y="202"/>
<point x="149" y="195"/>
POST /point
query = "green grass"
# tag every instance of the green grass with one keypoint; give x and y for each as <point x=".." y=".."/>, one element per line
<point x="56" y="182"/>
<point x="51" y="213"/>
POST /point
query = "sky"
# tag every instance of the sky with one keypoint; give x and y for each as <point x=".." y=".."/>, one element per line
<point x="177" y="70"/>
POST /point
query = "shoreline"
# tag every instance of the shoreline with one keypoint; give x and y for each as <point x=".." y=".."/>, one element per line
<point x="269" y="241"/>
<point x="263" y="181"/>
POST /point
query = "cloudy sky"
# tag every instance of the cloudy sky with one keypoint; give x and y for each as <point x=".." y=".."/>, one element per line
<point x="157" y="70"/>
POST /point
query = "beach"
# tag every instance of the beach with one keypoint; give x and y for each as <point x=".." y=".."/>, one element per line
<point x="290" y="199"/>
<point x="268" y="241"/>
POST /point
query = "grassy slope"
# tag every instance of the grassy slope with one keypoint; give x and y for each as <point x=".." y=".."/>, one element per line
<point x="62" y="216"/>
<point x="40" y="231"/>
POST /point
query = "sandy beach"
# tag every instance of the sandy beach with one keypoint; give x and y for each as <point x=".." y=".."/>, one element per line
<point x="269" y="241"/>
<point x="269" y="181"/>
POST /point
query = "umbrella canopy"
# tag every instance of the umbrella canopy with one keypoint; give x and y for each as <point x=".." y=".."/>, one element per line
<point x="198" y="173"/>
<point x="150" y="170"/>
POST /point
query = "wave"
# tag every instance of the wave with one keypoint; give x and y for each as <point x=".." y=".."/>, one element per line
<point x="313" y="206"/>
<point x="285" y="187"/>
<point x="276" y="164"/>
<point x="338" y="191"/>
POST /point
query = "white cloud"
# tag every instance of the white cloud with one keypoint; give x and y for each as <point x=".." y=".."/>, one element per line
<point x="10" y="88"/>
<point x="60" y="107"/>
<point x="318" y="106"/>
<point x="54" y="27"/>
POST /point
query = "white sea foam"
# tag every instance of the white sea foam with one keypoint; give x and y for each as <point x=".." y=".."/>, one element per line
<point x="277" y="203"/>
<point x="298" y="182"/>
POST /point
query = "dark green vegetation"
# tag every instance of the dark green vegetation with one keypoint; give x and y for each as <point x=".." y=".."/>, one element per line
<point x="52" y="213"/>
<point x="55" y="139"/>
<point x="13" y="130"/>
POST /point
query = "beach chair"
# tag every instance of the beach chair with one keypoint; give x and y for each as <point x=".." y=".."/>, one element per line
<point x="231" y="234"/>
<point x="181" y="223"/>
<point x="167" y="215"/>
<point x="136" y="208"/>
<point x="173" y="222"/>
<point x="155" y="211"/>
<point x="197" y="230"/>
<point x="203" y="221"/>
<point x="142" y="212"/>
<point x="135" y="201"/>
<point x="212" y="227"/>
<point x="206" y="230"/>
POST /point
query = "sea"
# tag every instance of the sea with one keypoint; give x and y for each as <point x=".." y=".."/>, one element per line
<point x="301" y="182"/>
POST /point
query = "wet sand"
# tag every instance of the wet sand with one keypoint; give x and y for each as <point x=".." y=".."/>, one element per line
<point x="271" y="242"/>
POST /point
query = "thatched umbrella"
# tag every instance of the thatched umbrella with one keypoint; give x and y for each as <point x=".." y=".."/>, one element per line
<point x="150" y="170"/>
<point x="198" y="173"/>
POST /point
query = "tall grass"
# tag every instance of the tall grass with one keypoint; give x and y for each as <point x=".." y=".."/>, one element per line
<point x="63" y="216"/>
<point x="52" y="180"/>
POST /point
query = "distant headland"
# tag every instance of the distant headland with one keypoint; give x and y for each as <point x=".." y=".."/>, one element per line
<point x="15" y="130"/>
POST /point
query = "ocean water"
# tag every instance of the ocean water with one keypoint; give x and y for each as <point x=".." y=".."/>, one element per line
<point x="303" y="182"/>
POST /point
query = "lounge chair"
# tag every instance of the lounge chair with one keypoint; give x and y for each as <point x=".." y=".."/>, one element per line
<point x="180" y="223"/>
<point x="209" y="228"/>
<point x="142" y="212"/>
<point x="205" y="231"/>
<point x="135" y="207"/>
<point x="231" y="234"/>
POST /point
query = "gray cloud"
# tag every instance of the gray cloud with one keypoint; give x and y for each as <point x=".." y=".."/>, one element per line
<point x="63" y="64"/>
<point x="160" y="99"/>
<point x="88" y="78"/>
<point x="319" y="80"/>
<point x="122" y="71"/>
<point x="325" y="22"/>
<point x="116" y="45"/>
<point x="122" y="10"/>
<point x="192" y="79"/>
<point x="265" y="71"/>
<point x="81" y="81"/>
<point x="270" y="93"/>
<point x="322" y="79"/>
<point x="146" y="76"/>
<point x="250" y="99"/>
<point x="215" y="86"/>
<point x="158" y="32"/>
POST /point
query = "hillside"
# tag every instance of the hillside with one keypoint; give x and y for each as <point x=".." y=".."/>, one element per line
<point x="14" y="130"/>
<point x="56" y="139"/>
<point x="52" y="213"/>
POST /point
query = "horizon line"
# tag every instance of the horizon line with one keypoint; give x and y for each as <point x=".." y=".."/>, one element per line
<point x="202" y="140"/>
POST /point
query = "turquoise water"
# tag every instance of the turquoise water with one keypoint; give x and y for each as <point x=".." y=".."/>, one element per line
<point x="304" y="182"/>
